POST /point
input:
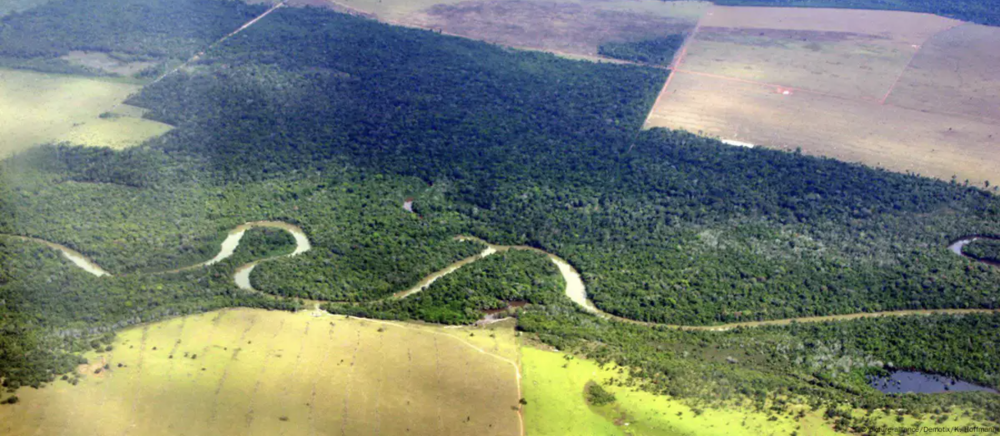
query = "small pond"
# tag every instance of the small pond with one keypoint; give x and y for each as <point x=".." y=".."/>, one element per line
<point x="901" y="382"/>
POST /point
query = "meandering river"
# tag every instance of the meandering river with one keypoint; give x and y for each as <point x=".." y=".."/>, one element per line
<point x="575" y="289"/>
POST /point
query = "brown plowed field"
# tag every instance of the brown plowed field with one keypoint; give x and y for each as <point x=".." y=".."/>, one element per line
<point x="851" y="53"/>
<point x="571" y="28"/>
<point x="956" y="71"/>
<point x="875" y="87"/>
<point x="886" y="136"/>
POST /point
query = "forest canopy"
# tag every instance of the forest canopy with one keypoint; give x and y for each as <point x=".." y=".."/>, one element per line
<point x="332" y="123"/>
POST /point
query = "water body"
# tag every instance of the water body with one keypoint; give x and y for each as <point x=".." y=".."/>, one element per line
<point x="226" y="250"/>
<point x="956" y="247"/>
<point x="575" y="288"/>
<point x="72" y="255"/>
<point x="902" y="382"/>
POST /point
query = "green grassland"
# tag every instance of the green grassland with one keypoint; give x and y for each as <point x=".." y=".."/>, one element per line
<point x="555" y="383"/>
<point x="252" y="371"/>
<point x="39" y="108"/>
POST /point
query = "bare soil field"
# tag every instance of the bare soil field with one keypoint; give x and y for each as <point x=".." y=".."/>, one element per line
<point x="244" y="371"/>
<point x="876" y="87"/>
<point x="851" y="53"/>
<point x="577" y="28"/>
<point x="574" y="28"/>
<point x="957" y="71"/>
<point x="891" y="137"/>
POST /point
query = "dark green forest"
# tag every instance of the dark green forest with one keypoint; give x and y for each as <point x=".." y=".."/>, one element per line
<point x="983" y="249"/>
<point x="462" y="296"/>
<point x="658" y="51"/>
<point x="330" y="122"/>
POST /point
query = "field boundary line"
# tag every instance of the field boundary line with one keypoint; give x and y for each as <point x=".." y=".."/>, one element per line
<point x="675" y="64"/>
<point x="220" y="41"/>
<point x="912" y="57"/>
<point x="596" y="58"/>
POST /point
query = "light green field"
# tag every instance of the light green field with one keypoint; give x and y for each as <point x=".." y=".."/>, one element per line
<point x="276" y="373"/>
<point x="38" y="108"/>
<point x="117" y="133"/>
<point x="555" y="390"/>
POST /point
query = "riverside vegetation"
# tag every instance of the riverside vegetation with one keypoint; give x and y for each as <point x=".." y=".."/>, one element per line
<point x="284" y="122"/>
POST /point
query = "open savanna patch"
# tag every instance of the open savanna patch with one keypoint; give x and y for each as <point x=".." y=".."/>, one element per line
<point x="38" y="108"/>
<point x="562" y="391"/>
<point x="245" y="371"/>
<point x="573" y="28"/>
<point x="875" y="87"/>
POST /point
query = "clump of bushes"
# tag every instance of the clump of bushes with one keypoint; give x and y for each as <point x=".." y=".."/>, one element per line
<point x="598" y="396"/>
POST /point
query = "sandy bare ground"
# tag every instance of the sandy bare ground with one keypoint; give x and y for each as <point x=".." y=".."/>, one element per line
<point x="875" y="87"/>
<point x="956" y="72"/>
<point x="899" y="139"/>
<point x="568" y="28"/>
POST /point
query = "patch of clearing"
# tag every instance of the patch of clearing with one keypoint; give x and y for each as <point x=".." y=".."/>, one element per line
<point x="104" y="62"/>
<point x="258" y="372"/>
<point x="886" y="136"/>
<point x="555" y="383"/>
<point x="875" y="87"/>
<point x="37" y="108"/>
<point x="956" y="72"/>
<point x="850" y="53"/>
<point x="116" y="132"/>
<point x="570" y="28"/>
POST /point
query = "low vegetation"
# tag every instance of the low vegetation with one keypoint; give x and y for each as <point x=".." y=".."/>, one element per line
<point x="42" y="108"/>
<point x="279" y="373"/>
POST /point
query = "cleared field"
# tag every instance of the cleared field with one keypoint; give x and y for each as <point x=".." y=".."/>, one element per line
<point x="104" y="62"/>
<point x="554" y="386"/>
<point x="903" y="91"/>
<point x="246" y="371"/>
<point x="38" y="108"/>
<point x="958" y="72"/>
<point x="572" y="27"/>
<point x="555" y="389"/>
<point x="886" y="136"/>
<point x="850" y="53"/>
<point x="117" y="133"/>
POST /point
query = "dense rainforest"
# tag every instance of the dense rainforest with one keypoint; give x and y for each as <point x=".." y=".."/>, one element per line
<point x="983" y="249"/>
<point x="658" y="51"/>
<point x="524" y="277"/>
<point x="330" y="122"/>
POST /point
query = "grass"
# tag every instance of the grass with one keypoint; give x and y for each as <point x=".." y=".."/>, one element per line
<point x="555" y="383"/>
<point x="250" y="371"/>
<point x="39" y="108"/>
